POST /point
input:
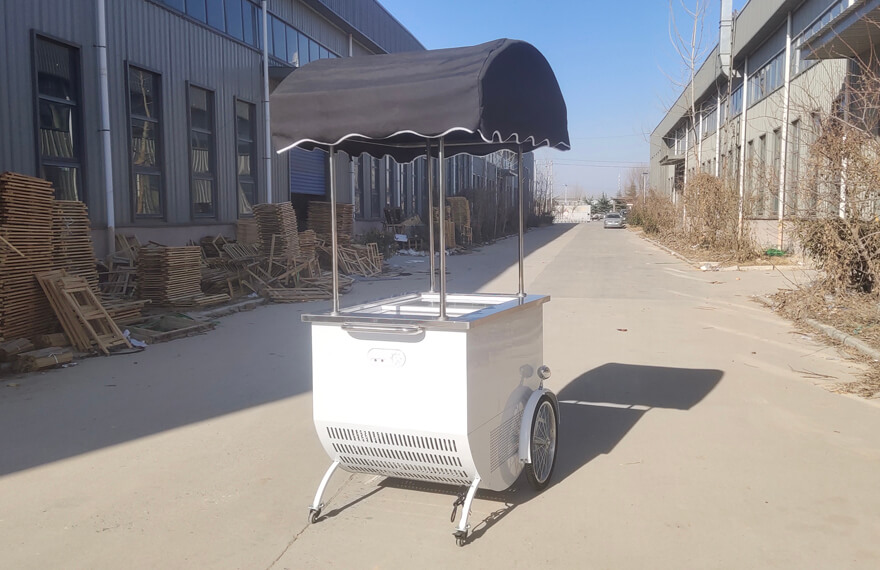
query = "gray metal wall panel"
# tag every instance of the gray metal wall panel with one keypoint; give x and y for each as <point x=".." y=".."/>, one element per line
<point x="773" y="44"/>
<point x="71" y="22"/>
<point x="310" y="23"/>
<point x="807" y="13"/>
<point x="152" y="37"/>
<point x="371" y="18"/>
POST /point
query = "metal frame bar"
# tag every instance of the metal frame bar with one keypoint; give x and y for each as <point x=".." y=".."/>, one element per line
<point x="441" y="200"/>
<point x="463" y="525"/>
<point x="334" y="231"/>
<point x="522" y="248"/>
<point x="317" y="504"/>
<point x="430" y="186"/>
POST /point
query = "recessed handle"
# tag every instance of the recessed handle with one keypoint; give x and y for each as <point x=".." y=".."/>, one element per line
<point x="380" y="329"/>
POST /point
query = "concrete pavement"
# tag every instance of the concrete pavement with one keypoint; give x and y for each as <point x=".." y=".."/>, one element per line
<point x="697" y="433"/>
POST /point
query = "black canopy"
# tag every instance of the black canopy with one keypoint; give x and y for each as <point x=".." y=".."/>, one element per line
<point x="481" y="99"/>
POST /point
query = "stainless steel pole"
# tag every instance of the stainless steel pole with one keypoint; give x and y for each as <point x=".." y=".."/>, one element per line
<point x="430" y="175"/>
<point x="522" y="239"/>
<point x="441" y="199"/>
<point x="106" y="144"/>
<point x="266" y="112"/>
<point x="333" y="231"/>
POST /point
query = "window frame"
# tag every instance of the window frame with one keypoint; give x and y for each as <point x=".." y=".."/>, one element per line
<point x="160" y="139"/>
<point x="212" y="153"/>
<point x="255" y="166"/>
<point x="79" y="135"/>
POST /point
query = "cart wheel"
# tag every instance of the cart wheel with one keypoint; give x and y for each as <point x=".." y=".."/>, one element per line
<point x="313" y="515"/>
<point x="543" y="444"/>
<point x="460" y="537"/>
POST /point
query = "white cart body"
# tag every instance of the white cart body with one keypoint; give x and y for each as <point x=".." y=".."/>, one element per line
<point x="399" y="393"/>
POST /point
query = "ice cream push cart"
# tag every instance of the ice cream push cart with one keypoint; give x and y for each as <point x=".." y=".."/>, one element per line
<point x="436" y="387"/>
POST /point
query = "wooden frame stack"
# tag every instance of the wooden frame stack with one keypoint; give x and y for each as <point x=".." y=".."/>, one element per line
<point x="73" y="250"/>
<point x="25" y="249"/>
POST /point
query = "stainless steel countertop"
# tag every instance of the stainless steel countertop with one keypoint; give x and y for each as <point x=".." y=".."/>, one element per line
<point x="420" y="311"/>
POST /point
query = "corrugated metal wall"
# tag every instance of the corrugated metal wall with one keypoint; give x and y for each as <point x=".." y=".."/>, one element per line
<point x="147" y="35"/>
<point x="64" y="21"/>
<point x="376" y="23"/>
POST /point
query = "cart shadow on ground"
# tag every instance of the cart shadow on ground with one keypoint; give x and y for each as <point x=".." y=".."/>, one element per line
<point x="598" y="409"/>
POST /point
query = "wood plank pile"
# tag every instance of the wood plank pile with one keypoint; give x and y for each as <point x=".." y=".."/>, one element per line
<point x="168" y="275"/>
<point x="73" y="250"/>
<point x="246" y="232"/>
<point x="308" y="242"/>
<point x="460" y="210"/>
<point x="83" y="318"/>
<point x="124" y="312"/>
<point x="42" y="359"/>
<point x="276" y="226"/>
<point x="320" y="221"/>
<point x="25" y="249"/>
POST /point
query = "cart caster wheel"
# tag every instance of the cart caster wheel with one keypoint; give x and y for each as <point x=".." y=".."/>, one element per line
<point x="314" y="514"/>
<point x="544" y="443"/>
<point x="460" y="537"/>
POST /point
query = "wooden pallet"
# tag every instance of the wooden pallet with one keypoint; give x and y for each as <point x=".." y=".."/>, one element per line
<point x="277" y="230"/>
<point x="73" y="250"/>
<point x="168" y="273"/>
<point x="86" y="323"/>
<point x="26" y="248"/>
<point x="320" y="221"/>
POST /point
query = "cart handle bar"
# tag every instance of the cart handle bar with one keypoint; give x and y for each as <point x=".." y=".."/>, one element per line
<point x="378" y="329"/>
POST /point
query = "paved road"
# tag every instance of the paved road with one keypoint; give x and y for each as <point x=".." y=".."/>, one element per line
<point x="697" y="432"/>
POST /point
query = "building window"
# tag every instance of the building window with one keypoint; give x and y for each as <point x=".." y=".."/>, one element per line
<point x="58" y="117"/>
<point x="145" y="122"/>
<point x="246" y="154"/>
<point x="201" y="137"/>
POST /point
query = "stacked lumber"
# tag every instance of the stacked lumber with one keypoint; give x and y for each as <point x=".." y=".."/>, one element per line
<point x="276" y="226"/>
<point x="51" y="340"/>
<point x="25" y="249"/>
<point x="320" y="221"/>
<point x="460" y="210"/>
<point x="167" y="275"/>
<point x="308" y="241"/>
<point x="41" y="359"/>
<point x="124" y="312"/>
<point x="86" y="323"/>
<point x="246" y="231"/>
<point x="10" y="348"/>
<point x="73" y="249"/>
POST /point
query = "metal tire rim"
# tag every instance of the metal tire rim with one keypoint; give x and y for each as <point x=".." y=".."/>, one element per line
<point x="544" y="441"/>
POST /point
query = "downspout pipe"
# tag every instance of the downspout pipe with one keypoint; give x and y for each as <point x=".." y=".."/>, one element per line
<point x="783" y="158"/>
<point x="742" y="146"/>
<point x="266" y="115"/>
<point x="104" y="102"/>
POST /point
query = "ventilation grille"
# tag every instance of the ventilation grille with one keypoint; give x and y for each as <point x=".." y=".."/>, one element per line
<point x="504" y="441"/>
<point x="399" y="455"/>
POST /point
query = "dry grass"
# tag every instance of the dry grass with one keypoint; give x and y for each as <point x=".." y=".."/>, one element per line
<point x="856" y="314"/>
<point x="702" y="226"/>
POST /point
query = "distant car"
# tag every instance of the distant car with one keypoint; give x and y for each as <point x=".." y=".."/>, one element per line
<point x="613" y="220"/>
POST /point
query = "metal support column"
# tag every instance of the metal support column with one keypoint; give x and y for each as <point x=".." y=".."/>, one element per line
<point x="430" y="176"/>
<point x="334" y="231"/>
<point x="522" y="249"/>
<point x="783" y="152"/>
<point x="441" y="199"/>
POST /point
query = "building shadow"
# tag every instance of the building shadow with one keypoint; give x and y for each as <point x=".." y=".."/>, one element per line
<point x="598" y="409"/>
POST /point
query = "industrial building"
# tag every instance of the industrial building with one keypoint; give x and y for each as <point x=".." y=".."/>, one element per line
<point x="778" y="66"/>
<point x="154" y="112"/>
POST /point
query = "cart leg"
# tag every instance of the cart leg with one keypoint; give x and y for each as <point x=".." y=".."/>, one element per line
<point x="462" y="531"/>
<point x="317" y="505"/>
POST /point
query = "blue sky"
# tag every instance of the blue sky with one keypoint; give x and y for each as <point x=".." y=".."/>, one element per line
<point x="612" y="58"/>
